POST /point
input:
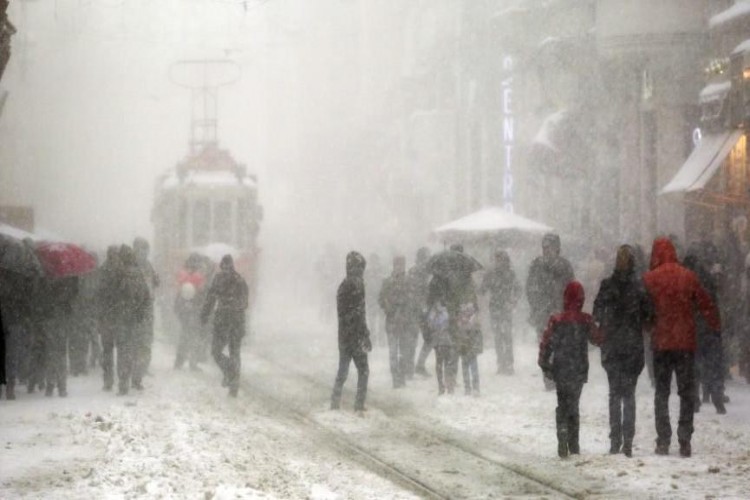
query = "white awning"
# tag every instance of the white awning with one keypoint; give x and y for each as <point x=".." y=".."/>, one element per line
<point x="715" y="91"/>
<point x="703" y="162"/>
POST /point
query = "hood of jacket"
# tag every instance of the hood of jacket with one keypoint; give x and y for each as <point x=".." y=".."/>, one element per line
<point x="574" y="297"/>
<point x="663" y="252"/>
<point x="355" y="265"/>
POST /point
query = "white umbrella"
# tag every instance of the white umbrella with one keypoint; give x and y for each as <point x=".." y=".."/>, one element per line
<point x="492" y="223"/>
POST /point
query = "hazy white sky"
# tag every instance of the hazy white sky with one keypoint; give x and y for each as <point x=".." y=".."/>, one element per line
<point x="92" y="118"/>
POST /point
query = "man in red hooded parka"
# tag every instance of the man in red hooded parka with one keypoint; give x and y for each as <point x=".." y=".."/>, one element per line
<point x="676" y="293"/>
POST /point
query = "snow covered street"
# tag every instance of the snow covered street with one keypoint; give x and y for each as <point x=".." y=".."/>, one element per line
<point x="184" y="438"/>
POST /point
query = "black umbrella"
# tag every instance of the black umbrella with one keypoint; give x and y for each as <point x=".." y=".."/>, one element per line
<point x="452" y="264"/>
<point x="18" y="256"/>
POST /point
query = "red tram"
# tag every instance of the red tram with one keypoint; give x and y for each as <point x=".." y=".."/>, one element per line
<point x="207" y="204"/>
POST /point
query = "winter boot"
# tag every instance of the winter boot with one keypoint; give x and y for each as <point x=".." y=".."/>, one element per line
<point x="615" y="447"/>
<point x="627" y="448"/>
<point x="685" y="450"/>
<point x="718" y="401"/>
<point x="662" y="448"/>
<point x="562" y="442"/>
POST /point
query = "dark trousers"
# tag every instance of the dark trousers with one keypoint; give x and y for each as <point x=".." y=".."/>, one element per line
<point x="445" y="368"/>
<point x="56" y="364"/>
<point x="621" y="405"/>
<point x="681" y="363"/>
<point x="502" y="329"/>
<point x="108" y="333"/>
<point x="189" y="343"/>
<point x="710" y="366"/>
<point x="126" y="343"/>
<point x="470" y="372"/>
<point x="228" y="333"/>
<point x="567" y="416"/>
<point x="398" y="349"/>
<point x="363" y="374"/>
<point x="143" y="342"/>
<point x="424" y="352"/>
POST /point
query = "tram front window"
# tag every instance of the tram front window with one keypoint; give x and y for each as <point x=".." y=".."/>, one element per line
<point x="223" y="222"/>
<point x="201" y="223"/>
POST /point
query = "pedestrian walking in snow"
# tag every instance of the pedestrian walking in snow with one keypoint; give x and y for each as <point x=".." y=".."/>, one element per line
<point x="709" y="355"/>
<point x="563" y="358"/>
<point x="374" y="276"/>
<point x="622" y="309"/>
<point x="353" y="334"/>
<point x="468" y="334"/>
<point x="187" y="307"/>
<point x="229" y="293"/>
<point x="676" y="292"/>
<point x="107" y="299"/>
<point x="130" y="307"/>
<point x="59" y="294"/>
<point x="145" y="337"/>
<point x="395" y="300"/>
<point x="503" y="287"/>
<point x="419" y="283"/>
<point x="441" y="327"/>
<point x="548" y="276"/>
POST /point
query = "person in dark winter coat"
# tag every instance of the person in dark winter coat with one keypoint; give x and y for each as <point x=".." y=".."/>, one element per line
<point x="395" y="300"/>
<point x="130" y="307"/>
<point x="59" y="294"/>
<point x="548" y="276"/>
<point x="676" y="292"/>
<point x="709" y="364"/>
<point x="353" y="334"/>
<point x="187" y="307"/>
<point x="15" y="294"/>
<point x="622" y="308"/>
<point x="468" y="334"/>
<point x="419" y="283"/>
<point x="564" y="358"/>
<point x="229" y="293"/>
<point x="3" y="378"/>
<point x="107" y="296"/>
<point x="442" y="325"/>
<point x="146" y="328"/>
<point x="502" y="285"/>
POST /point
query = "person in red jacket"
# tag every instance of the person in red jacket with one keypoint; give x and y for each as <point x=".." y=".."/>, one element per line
<point x="676" y="293"/>
<point x="564" y="358"/>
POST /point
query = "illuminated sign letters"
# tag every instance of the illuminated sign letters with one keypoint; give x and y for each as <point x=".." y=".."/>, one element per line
<point x="508" y="121"/>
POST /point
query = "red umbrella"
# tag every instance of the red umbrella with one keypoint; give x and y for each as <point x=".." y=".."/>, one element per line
<point x="64" y="259"/>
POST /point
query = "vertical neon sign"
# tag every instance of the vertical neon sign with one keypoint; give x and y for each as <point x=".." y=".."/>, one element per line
<point x="508" y="133"/>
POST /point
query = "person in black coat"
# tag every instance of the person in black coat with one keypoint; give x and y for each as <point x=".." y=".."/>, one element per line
<point x="2" y="348"/>
<point x="353" y="334"/>
<point x="709" y="359"/>
<point x="548" y="276"/>
<point x="564" y="359"/>
<point x="230" y="294"/>
<point x="622" y="308"/>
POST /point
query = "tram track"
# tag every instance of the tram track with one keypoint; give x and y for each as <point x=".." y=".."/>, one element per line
<point x="468" y="465"/>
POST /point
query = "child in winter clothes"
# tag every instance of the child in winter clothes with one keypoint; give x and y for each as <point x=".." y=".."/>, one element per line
<point x="563" y="357"/>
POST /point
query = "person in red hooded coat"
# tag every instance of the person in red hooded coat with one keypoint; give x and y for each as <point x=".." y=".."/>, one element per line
<point x="564" y="358"/>
<point x="676" y="293"/>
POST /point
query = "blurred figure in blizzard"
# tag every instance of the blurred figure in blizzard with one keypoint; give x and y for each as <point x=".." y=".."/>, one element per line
<point x="374" y="276"/>
<point x="502" y="285"/>
<point x="187" y="307"/>
<point x="353" y="334"/>
<point x="468" y="334"/>
<point x="15" y="295"/>
<point x="548" y="276"/>
<point x="564" y="358"/>
<point x="419" y="284"/>
<point x="84" y="331"/>
<point x="623" y="309"/>
<point x="130" y="307"/>
<point x="440" y="325"/>
<point x="107" y="296"/>
<point x="145" y="339"/>
<point x="58" y="296"/>
<point x="709" y="363"/>
<point x="395" y="300"/>
<point x="229" y="293"/>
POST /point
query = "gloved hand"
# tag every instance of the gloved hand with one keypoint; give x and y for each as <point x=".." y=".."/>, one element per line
<point x="367" y="344"/>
